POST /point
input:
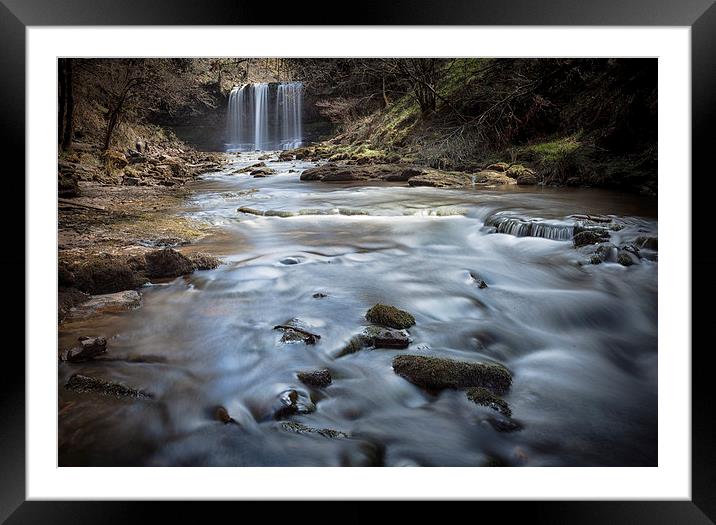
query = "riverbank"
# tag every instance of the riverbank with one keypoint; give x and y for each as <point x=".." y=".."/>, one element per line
<point x="119" y="227"/>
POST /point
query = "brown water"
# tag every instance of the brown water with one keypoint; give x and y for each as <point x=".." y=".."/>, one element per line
<point x="580" y="340"/>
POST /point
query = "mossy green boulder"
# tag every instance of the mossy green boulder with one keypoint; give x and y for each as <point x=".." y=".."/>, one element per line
<point x="482" y="396"/>
<point x="390" y="316"/>
<point x="436" y="373"/>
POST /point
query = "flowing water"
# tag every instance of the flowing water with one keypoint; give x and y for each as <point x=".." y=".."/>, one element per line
<point x="579" y="339"/>
<point x="265" y="116"/>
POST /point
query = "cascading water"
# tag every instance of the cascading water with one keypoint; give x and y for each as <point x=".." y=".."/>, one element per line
<point x="265" y="116"/>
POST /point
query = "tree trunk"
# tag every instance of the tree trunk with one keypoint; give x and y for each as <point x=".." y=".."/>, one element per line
<point x="70" y="107"/>
<point x="61" y="101"/>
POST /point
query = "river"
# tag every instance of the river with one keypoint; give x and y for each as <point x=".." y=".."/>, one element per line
<point x="580" y="339"/>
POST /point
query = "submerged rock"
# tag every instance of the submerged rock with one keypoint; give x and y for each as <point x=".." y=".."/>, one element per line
<point x="106" y="303"/>
<point x="318" y="378"/>
<point x="298" y="428"/>
<point x="436" y="373"/>
<point x="293" y="402"/>
<point x="478" y="281"/>
<point x="221" y="414"/>
<point x="88" y="348"/>
<point x="167" y="263"/>
<point x="390" y="316"/>
<point x="86" y="384"/>
<point x="295" y="331"/>
<point x="482" y="396"/>
<point x="250" y="168"/>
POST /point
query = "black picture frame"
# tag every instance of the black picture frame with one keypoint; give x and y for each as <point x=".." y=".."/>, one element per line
<point x="699" y="15"/>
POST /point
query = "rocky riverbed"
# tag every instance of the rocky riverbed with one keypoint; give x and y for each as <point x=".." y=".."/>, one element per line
<point x="285" y="311"/>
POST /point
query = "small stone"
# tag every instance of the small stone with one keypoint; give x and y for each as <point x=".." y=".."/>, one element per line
<point x="390" y="316"/>
<point x="291" y="402"/>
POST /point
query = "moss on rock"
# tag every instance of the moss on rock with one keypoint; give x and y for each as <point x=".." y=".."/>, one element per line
<point x="436" y="373"/>
<point x="390" y="316"/>
<point x="86" y="384"/>
<point x="318" y="378"/>
<point x="482" y="396"/>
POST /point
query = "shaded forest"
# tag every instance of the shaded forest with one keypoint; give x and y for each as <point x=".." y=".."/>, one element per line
<point x="573" y="121"/>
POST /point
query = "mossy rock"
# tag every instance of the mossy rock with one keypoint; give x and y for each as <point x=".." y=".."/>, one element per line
<point x="436" y="373"/>
<point x="167" y="263"/>
<point x="86" y="384"/>
<point x="298" y="428"/>
<point x="317" y="378"/>
<point x="624" y="259"/>
<point x="587" y="237"/>
<point x="204" y="261"/>
<point x="498" y="166"/>
<point x="390" y="316"/>
<point x="482" y="396"/>
<point x="104" y="273"/>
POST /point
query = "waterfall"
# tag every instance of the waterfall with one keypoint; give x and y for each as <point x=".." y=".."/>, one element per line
<point x="519" y="227"/>
<point x="249" y="127"/>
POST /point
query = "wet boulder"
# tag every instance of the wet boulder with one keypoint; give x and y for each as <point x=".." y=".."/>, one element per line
<point x="286" y="155"/>
<point x="296" y="331"/>
<point x="482" y="396"/>
<point x="436" y="373"/>
<point x="262" y="172"/>
<point x="291" y="402"/>
<point x="380" y="337"/>
<point x="93" y="385"/>
<point x="167" y="263"/>
<point x="317" y="378"/>
<point x="625" y="258"/>
<point x="87" y="349"/>
<point x="587" y="237"/>
<point x="390" y="316"/>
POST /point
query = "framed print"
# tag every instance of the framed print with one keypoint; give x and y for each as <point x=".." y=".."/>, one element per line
<point x="436" y="241"/>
